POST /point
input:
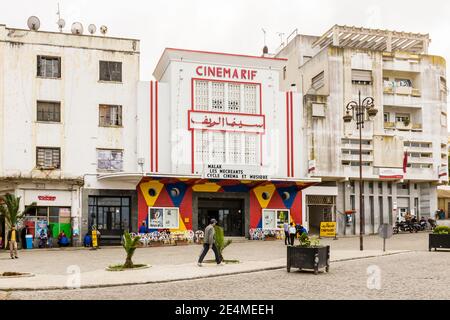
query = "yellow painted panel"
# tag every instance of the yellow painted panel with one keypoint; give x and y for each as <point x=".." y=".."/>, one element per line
<point x="270" y="188"/>
<point x="154" y="184"/>
<point x="207" y="187"/>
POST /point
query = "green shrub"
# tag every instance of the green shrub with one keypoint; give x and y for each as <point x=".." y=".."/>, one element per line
<point x="221" y="243"/>
<point x="442" y="230"/>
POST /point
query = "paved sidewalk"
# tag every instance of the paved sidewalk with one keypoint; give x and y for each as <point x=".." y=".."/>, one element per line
<point x="63" y="269"/>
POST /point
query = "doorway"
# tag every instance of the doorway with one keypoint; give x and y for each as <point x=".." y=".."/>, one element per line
<point x="229" y="214"/>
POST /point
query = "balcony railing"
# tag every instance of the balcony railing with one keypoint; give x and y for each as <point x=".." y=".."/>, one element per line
<point x="403" y="126"/>
<point x="406" y="91"/>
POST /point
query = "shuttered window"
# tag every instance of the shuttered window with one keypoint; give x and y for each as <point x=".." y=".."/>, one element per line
<point x="48" y="158"/>
<point x="49" y="67"/>
<point x="110" y="116"/>
<point x="48" y="111"/>
<point x="111" y="160"/>
<point x="318" y="81"/>
<point x="361" y="76"/>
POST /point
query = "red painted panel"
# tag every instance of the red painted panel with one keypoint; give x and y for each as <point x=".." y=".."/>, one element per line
<point x="296" y="210"/>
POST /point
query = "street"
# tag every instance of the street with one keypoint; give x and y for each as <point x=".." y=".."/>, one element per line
<point x="412" y="274"/>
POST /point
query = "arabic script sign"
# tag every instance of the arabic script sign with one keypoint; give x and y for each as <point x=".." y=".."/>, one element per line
<point x="218" y="121"/>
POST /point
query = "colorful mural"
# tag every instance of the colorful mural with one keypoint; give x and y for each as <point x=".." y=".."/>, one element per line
<point x="173" y="192"/>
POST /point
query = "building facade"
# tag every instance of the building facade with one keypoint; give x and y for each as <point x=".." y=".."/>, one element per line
<point x="219" y="141"/>
<point x="67" y="116"/>
<point x="404" y="149"/>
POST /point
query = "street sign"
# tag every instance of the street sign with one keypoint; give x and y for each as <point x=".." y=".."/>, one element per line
<point x="328" y="229"/>
<point x="385" y="231"/>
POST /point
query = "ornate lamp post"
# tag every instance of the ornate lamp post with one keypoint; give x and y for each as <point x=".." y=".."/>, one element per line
<point x="357" y="111"/>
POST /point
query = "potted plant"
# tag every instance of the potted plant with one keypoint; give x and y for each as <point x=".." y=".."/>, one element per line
<point x="221" y="244"/>
<point x="440" y="238"/>
<point x="130" y="244"/>
<point x="308" y="255"/>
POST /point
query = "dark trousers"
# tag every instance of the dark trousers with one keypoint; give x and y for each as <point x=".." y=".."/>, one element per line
<point x="286" y="238"/>
<point x="292" y="238"/>
<point x="205" y="251"/>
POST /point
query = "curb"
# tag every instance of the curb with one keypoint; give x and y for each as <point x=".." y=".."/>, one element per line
<point x="93" y="286"/>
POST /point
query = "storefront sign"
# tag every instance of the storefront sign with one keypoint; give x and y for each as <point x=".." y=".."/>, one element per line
<point x="94" y="238"/>
<point x="390" y="173"/>
<point x="201" y="120"/>
<point x="328" y="229"/>
<point x="47" y="198"/>
<point x="224" y="72"/>
<point x="218" y="171"/>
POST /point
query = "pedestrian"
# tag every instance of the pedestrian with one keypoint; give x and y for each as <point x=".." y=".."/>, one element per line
<point x="292" y="233"/>
<point x="143" y="228"/>
<point x="87" y="240"/>
<point x="50" y="236"/>
<point x="286" y="233"/>
<point x="13" y="238"/>
<point x="209" y="243"/>
<point x="43" y="239"/>
<point x="98" y="238"/>
<point x="63" y="241"/>
<point x="301" y="230"/>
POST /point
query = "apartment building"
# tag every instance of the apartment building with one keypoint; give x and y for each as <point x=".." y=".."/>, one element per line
<point x="67" y="118"/>
<point x="404" y="148"/>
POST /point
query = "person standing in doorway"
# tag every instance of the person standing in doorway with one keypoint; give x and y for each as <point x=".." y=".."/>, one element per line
<point x="13" y="238"/>
<point x="209" y="243"/>
<point x="292" y="233"/>
<point x="143" y="228"/>
<point x="286" y="233"/>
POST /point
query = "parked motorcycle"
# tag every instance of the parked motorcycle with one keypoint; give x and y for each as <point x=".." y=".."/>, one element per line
<point x="404" y="227"/>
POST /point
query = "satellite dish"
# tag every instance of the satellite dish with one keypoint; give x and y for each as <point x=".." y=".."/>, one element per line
<point x="33" y="23"/>
<point x="61" y="24"/>
<point x="77" y="28"/>
<point x="103" y="29"/>
<point x="92" y="28"/>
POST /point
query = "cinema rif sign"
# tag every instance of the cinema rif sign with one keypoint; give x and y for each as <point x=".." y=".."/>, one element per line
<point x="225" y="72"/>
<point x="220" y="121"/>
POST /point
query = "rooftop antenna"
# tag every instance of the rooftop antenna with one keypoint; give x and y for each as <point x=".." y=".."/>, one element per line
<point x="265" y="48"/>
<point x="281" y="34"/>
<point x="61" y="23"/>
<point x="33" y="23"/>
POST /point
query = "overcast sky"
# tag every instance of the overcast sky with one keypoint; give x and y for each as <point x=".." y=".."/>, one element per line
<point x="233" y="25"/>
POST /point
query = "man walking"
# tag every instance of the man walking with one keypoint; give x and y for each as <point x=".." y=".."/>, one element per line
<point x="209" y="243"/>
<point x="13" y="238"/>
<point x="286" y="233"/>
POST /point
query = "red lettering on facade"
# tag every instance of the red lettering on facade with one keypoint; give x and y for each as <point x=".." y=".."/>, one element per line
<point x="243" y="74"/>
<point x="198" y="70"/>
<point x="226" y="73"/>
<point x="211" y="72"/>
<point x="47" y="198"/>
<point x="235" y="74"/>
<point x="253" y="74"/>
<point x="219" y="72"/>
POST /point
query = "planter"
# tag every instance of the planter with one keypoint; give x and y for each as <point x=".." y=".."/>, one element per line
<point x="438" y="241"/>
<point x="312" y="258"/>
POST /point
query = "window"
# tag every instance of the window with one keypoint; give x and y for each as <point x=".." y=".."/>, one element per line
<point x="110" y="159"/>
<point x="48" y="111"/>
<point x="275" y="218"/>
<point x="218" y="96"/>
<point x="251" y="157"/>
<point x="49" y="67"/>
<point x="110" y="71"/>
<point x="402" y="117"/>
<point x="110" y="115"/>
<point x="201" y="95"/>
<point x="163" y="218"/>
<point x="201" y="146"/>
<point x="250" y="98"/>
<point x="218" y="147"/>
<point x="380" y="187"/>
<point x="284" y="73"/>
<point x="318" y="81"/>
<point x="306" y="58"/>
<point x="403" y="83"/>
<point x="380" y="207"/>
<point x="56" y="219"/>
<point x="234" y="97"/>
<point x="235" y="148"/>
<point x="371" y="187"/>
<point x="110" y="214"/>
<point x="361" y="76"/>
<point x="387" y="117"/>
<point x="48" y="158"/>
<point x="390" y="187"/>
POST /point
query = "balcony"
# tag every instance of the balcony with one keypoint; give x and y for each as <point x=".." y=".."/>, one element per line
<point x="401" y="65"/>
<point x="402" y="126"/>
<point x="355" y="157"/>
<point x="402" y="96"/>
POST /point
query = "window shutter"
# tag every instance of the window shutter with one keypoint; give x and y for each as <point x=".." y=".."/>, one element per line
<point x="362" y="76"/>
<point x="318" y="81"/>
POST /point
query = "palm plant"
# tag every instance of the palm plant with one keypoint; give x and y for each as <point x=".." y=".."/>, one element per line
<point x="221" y="243"/>
<point x="130" y="245"/>
<point x="9" y="209"/>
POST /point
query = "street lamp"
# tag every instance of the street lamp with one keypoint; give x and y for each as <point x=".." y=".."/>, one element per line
<point x="357" y="111"/>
